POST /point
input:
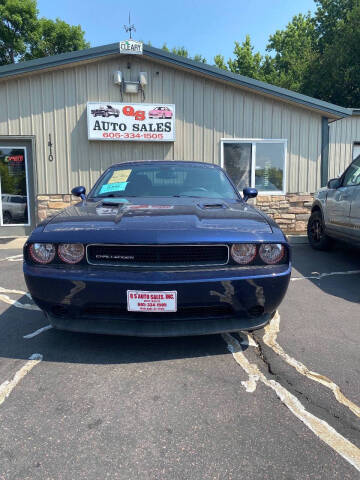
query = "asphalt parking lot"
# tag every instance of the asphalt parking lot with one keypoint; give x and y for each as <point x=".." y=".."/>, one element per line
<point x="282" y="403"/>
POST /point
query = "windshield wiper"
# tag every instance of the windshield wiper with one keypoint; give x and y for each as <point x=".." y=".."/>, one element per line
<point x="111" y="195"/>
<point x="190" y="196"/>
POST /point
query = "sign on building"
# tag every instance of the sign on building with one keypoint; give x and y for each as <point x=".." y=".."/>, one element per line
<point x="143" y="122"/>
<point x="131" y="47"/>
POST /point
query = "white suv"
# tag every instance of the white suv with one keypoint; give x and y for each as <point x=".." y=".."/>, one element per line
<point x="14" y="208"/>
<point x="335" y="213"/>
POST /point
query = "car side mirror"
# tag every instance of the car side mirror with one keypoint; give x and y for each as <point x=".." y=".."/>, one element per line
<point x="334" y="183"/>
<point x="249" y="192"/>
<point x="79" y="192"/>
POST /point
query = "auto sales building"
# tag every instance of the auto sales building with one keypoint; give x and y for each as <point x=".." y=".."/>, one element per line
<point x="65" y="119"/>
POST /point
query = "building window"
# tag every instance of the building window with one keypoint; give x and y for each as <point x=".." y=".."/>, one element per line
<point x="356" y="150"/>
<point x="14" y="198"/>
<point x="256" y="163"/>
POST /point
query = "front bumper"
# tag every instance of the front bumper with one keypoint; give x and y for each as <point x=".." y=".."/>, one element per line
<point x="233" y="298"/>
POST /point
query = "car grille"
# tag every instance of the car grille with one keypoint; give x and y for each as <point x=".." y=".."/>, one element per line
<point x="183" y="313"/>
<point x="157" y="255"/>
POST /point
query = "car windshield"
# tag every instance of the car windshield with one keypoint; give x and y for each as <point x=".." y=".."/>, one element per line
<point x="154" y="180"/>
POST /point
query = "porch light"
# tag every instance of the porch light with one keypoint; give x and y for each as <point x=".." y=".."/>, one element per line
<point x="129" y="86"/>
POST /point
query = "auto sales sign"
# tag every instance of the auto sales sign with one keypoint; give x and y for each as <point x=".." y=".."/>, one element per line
<point x="142" y="122"/>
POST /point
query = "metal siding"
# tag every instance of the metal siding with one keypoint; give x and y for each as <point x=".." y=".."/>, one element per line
<point x="218" y="123"/>
<point x="13" y="107"/>
<point x="206" y="111"/>
<point x="208" y="121"/>
<point x="228" y="113"/>
<point x="313" y="155"/>
<point x="238" y="114"/>
<point x="24" y="106"/>
<point x="275" y="123"/>
<point x="303" y="178"/>
<point x="343" y="134"/>
<point x="48" y="119"/>
<point x="267" y="109"/>
<point x="198" y="118"/>
<point x="4" y="114"/>
<point x="38" y="131"/>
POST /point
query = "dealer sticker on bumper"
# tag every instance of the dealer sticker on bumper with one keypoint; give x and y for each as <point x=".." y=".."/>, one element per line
<point x="142" y="301"/>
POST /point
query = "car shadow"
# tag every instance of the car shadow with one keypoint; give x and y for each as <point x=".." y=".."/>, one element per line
<point x="70" y="347"/>
<point x="311" y="263"/>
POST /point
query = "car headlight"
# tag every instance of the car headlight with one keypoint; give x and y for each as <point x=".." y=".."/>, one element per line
<point x="243" y="253"/>
<point x="271" y="253"/>
<point x="71" y="252"/>
<point x="42" y="252"/>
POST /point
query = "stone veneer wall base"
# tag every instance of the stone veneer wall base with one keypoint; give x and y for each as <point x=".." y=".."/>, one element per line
<point x="291" y="212"/>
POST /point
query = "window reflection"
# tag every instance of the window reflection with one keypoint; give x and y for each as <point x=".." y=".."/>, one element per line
<point x="14" y="195"/>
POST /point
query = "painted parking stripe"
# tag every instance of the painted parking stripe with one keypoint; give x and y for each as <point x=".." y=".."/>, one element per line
<point x="349" y="451"/>
<point x="37" y="332"/>
<point x="270" y="339"/>
<point x="319" y="276"/>
<point x="8" y="386"/>
<point x="19" y="292"/>
<point x="15" y="303"/>
<point x="12" y="258"/>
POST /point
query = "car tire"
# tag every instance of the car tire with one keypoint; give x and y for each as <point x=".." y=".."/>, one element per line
<point x="7" y="217"/>
<point x="316" y="232"/>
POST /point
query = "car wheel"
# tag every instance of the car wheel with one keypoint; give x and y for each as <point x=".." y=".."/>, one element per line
<point x="316" y="232"/>
<point x="7" y="217"/>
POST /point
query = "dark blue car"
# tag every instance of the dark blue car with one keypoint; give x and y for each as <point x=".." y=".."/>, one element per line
<point x="158" y="249"/>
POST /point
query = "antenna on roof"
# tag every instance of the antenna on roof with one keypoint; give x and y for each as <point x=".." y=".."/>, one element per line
<point x="130" y="28"/>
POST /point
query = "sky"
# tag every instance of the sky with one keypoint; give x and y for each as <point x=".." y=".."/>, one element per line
<point x="207" y="27"/>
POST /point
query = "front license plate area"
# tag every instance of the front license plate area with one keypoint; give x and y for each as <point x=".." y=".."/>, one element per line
<point x="144" y="301"/>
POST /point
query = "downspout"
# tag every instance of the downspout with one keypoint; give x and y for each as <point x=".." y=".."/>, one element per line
<point x="324" y="151"/>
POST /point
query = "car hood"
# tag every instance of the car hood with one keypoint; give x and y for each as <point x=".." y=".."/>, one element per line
<point x="146" y="220"/>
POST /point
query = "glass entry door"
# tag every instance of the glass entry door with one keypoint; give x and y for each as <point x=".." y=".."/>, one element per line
<point x="15" y="199"/>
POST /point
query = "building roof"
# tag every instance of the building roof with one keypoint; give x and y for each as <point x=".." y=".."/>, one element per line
<point x="30" y="66"/>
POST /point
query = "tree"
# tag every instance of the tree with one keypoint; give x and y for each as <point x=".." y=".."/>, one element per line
<point x="294" y="51"/>
<point x="335" y="76"/>
<point x="246" y="62"/>
<point x="24" y="36"/>
<point x="183" y="52"/>
<point x="18" y="22"/>
<point x="56" y="37"/>
<point x="219" y="61"/>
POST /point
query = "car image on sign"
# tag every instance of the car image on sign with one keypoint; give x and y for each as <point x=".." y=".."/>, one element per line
<point x="160" y="112"/>
<point x="159" y="248"/>
<point x="107" y="111"/>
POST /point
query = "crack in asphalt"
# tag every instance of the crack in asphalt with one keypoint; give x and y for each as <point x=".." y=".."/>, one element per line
<point x="323" y="430"/>
<point x="259" y="352"/>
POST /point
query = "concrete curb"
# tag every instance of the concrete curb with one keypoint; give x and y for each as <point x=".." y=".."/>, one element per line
<point x="298" y="239"/>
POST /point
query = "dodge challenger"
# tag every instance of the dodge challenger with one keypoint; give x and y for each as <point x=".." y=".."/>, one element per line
<point x="158" y="248"/>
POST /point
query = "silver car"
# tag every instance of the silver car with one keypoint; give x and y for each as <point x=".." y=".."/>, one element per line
<point x="335" y="213"/>
<point x="14" y="208"/>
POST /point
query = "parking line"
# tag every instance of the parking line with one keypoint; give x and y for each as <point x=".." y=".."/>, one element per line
<point x="349" y="451"/>
<point x="13" y="258"/>
<point x="16" y="303"/>
<point x="270" y="339"/>
<point x="319" y="276"/>
<point x="37" y="332"/>
<point x="8" y="386"/>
